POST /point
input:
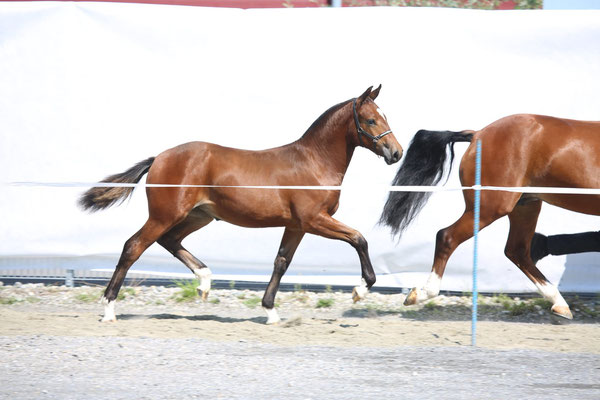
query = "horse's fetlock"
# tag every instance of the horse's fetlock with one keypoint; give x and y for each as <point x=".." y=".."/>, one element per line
<point x="268" y="303"/>
<point x="370" y="280"/>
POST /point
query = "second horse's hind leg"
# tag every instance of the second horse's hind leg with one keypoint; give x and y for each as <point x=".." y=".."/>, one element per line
<point x="523" y="220"/>
<point x="447" y="240"/>
<point x="494" y="205"/>
<point x="172" y="239"/>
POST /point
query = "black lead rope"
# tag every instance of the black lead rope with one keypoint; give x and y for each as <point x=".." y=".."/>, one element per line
<point x="361" y="131"/>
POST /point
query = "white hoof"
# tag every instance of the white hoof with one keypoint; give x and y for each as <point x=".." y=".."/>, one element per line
<point x="360" y="292"/>
<point x="205" y="275"/>
<point x="109" y="310"/>
<point x="272" y="316"/>
<point x="417" y="296"/>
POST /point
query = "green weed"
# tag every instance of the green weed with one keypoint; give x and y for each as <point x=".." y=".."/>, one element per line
<point x="8" y="300"/>
<point x="187" y="290"/>
<point x="325" y="303"/>
<point x="88" y="297"/>
<point x="252" y="302"/>
<point x="126" y="292"/>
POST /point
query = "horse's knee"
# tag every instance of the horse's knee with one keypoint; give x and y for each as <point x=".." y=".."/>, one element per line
<point x="359" y="242"/>
<point x="280" y="265"/>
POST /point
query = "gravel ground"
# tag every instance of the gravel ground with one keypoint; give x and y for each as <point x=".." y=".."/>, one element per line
<point x="53" y="347"/>
<point x="41" y="367"/>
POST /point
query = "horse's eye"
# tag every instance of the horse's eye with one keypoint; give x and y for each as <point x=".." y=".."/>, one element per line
<point x="371" y="122"/>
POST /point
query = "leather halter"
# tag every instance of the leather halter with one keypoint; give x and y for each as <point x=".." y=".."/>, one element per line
<point x="361" y="131"/>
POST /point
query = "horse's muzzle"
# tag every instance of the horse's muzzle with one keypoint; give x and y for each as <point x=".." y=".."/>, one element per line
<point x="391" y="156"/>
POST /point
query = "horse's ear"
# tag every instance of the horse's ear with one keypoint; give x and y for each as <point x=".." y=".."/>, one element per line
<point x="364" y="96"/>
<point x="375" y="93"/>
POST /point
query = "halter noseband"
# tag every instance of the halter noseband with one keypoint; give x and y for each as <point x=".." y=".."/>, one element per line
<point x="361" y="131"/>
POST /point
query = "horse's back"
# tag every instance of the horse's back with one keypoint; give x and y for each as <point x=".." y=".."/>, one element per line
<point x="544" y="151"/>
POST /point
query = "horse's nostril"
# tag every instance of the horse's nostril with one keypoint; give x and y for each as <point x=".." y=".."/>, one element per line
<point x="396" y="156"/>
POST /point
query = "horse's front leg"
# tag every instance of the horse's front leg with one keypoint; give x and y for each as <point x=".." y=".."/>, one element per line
<point x="326" y="226"/>
<point x="289" y="243"/>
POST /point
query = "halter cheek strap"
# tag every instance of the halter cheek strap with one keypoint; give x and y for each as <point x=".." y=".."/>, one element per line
<point x="361" y="131"/>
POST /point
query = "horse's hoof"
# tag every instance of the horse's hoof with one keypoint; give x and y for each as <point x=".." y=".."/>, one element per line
<point x="355" y="296"/>
<point x="109" y="310"/>
<point x="411" y="299"/>
<point x="272" y="316"/>
<point x="562" y="311"/>
<point x="359" y="293"/>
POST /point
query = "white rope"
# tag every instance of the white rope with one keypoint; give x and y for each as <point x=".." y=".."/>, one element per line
<point x="523" y="189"/>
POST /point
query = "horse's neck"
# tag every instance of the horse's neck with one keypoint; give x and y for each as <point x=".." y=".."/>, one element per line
<point x="328" y="144"/>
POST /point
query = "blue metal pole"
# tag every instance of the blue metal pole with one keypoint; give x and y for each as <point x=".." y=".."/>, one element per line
<point x="475" y="240"/>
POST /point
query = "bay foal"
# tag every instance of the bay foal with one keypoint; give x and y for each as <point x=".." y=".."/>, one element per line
<point x="319" y="158"/>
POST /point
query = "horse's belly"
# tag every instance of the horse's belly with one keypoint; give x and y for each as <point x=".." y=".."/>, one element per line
<point x="586" y="204"/>
<point x="250" y="209"/>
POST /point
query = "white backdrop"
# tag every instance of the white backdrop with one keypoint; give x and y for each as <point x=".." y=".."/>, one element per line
<point x="89" y="89"/>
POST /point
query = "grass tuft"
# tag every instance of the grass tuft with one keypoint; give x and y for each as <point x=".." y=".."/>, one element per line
<point x="187" y="290"/>
<point x="325" y="303"/>
<point x="252" y="302"/>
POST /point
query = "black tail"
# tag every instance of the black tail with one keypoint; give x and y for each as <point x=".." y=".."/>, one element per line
<point x="423" y="165"/>
<point x="99" y="198"/>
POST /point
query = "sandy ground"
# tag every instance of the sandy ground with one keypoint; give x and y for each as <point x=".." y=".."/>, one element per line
<point x="300" y="326"/>
<point x="53" y="347"/>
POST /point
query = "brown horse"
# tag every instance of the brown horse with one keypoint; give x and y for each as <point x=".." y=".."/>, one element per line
<point x="319" y="158"/>
<point x="520" y="150"/>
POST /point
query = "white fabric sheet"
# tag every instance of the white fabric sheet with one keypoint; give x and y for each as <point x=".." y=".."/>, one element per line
<point x="89" y="89"/>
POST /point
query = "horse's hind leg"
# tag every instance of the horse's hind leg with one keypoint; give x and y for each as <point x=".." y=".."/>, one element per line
<point x="289" y="243"/>
<point x="132" y="250"/>
<point x="523" y="220"/>
<point x="172" y="239"/>
<point x="494" y="205"/>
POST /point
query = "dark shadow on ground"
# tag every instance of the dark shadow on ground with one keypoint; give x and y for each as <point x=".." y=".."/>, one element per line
<point x="227" y="320"/>
<point x="463" y="313"/>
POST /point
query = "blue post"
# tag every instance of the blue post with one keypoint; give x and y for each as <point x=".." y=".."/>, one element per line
<point x="475" y="241"/>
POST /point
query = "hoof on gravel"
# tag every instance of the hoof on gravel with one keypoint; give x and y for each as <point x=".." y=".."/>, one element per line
<point x="203" y="293"/>
<point x="272" y="316"/>
<point x="562" y="311"/>
<point x="411" y="299"/>
<point x="109" y="310"/>
<point x="359" y="293"/>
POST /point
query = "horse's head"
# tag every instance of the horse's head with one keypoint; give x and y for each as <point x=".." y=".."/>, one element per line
<point x="372" y="128"/>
